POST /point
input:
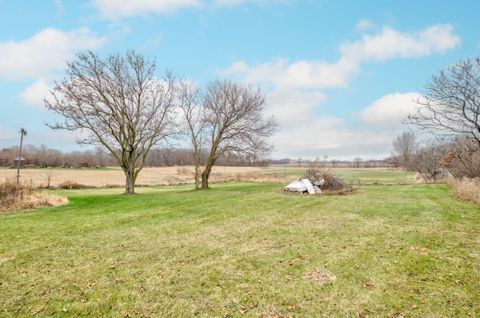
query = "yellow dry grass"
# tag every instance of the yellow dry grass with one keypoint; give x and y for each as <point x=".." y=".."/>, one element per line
<point x="468" y="189"/>
<point x="116" y="177"/>
<point x="14" y="197"/>
<point x="35" y="200"/>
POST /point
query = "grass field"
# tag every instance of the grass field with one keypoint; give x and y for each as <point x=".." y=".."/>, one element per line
<point x="244" y="250"/>
<point x="179" y="175"/>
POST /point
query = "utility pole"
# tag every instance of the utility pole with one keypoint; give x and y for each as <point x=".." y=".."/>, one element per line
<point x="23" y="132"/>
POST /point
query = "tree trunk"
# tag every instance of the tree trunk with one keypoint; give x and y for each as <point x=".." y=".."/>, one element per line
<point x="129" y="181"/>
<point x="197" y="176"/>
<point x="206" y="173"/>
<point x="196" y="159"/>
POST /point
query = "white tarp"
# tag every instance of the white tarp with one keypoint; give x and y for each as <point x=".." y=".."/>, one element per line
<point x="309" y="186"/>
<point x="296" y="186"/>
<point x="301" y="185"/>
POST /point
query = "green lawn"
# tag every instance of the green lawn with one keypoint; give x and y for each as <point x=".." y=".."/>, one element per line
<point x="243" y="250"/>
<point x="362" y="176"/>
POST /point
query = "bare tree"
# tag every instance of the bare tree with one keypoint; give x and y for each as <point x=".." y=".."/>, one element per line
<point x="452" y="101"/>
<point x="194" y="122"/>
<point x="357" y="161"/>
<point x="404" y="146"/>
<point x="427" y="162"/>
<point x="234" y="122"/>
<point x="120" y="103"/>
<point x="462" y="158"/>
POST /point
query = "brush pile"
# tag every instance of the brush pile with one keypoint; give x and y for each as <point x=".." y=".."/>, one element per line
<point x="317" y="181"/>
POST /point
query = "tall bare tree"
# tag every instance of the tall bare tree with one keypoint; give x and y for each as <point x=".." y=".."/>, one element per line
<point x="452" y="101"/>
<point x="234" y="122"/>
<point x="120" y="103"/>
<point x="404" y="147"/>
<point x="194" y="122"/>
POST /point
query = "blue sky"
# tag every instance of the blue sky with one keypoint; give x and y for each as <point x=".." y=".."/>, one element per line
<point x="340" y="75"/>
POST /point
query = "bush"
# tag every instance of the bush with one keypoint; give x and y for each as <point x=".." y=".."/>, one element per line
<point x="325" y="180"/>
<point x="463" y="158"/>
<point x="71" y="185"/>
<point x="427" y="162"/>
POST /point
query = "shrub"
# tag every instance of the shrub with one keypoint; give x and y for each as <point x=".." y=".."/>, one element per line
<point x="71" y="185"/>
<point x="463" y="158"/>
<point x="427" y="163"/>
<point x="326" y="180"/>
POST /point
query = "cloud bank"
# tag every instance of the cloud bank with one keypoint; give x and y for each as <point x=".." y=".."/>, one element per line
<point x="297" y="89"/>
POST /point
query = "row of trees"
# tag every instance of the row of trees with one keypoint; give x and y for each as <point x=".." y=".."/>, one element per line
<point x="459" y="157"/>
<point x="43" y="157"/>
<point x="124" y="108"/>
<point x="449" y="109"/>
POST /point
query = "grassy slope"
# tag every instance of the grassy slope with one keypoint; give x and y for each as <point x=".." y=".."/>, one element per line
<point x="243" y="249"/>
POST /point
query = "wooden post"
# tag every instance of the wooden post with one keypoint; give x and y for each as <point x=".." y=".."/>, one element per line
<point x="23" y="132"/>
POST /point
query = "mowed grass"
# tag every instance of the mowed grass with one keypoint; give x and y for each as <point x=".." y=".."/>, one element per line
<point x="243" y="250"/>
<point x="356" y="176"/>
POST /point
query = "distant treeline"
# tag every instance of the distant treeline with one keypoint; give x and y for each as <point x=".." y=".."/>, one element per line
<point x="43" y="156"/>
<point x="333" y="163"/>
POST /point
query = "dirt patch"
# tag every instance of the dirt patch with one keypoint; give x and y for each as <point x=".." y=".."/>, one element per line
<point x="320" y="276"/>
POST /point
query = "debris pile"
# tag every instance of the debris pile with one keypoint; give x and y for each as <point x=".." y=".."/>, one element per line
<point x="317" y="181"/>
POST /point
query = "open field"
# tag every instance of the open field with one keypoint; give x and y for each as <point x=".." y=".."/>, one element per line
<point x="243" y="250"/>
<point x="178" y="175"/>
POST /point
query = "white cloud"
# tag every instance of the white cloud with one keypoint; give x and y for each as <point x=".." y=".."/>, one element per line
<point x="333" y="137"/>
<point x="301" y="74"/>
<point x="320" y="74"/>
<point x="393" y="44"/>
<point x="113" y="9"/>
<point x="34" y="94"/>
<point x="229" y="3"/>
<point x="390" y="109"/>
<point x="116" y="9"/>
<point x="44" y="53"/>
<point x="363" y="25"/>
<point x="293" y="107"/>
<point x="297" y="89"/>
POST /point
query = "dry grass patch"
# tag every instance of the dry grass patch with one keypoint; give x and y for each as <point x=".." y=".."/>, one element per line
<point x="468" y="189"/>
<point x="15" y="197"/>
<point x="71" y="185"/>
<point x="320" y="276"/>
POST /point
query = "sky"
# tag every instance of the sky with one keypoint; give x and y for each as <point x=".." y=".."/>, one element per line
<point x="340" y="76"/>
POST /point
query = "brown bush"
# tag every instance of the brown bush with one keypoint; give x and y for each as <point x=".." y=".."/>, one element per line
<point x="71" y="185"/>
<point x="15" y="197"/>
<point x="467" y="189"/>
<point x="326" y="180"/>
